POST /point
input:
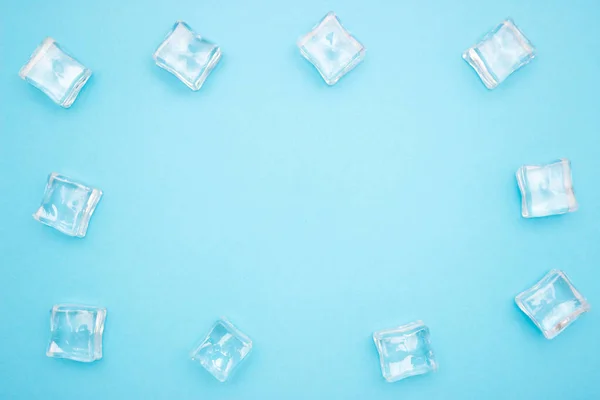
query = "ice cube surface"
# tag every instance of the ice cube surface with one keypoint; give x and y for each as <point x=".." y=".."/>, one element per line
<point x="405" y="351"/>
<point x="67" y="205"/>
<point x="331" y="49"/>
<point x="187" y="55"/>
<point x="553" y="303"/>
<point x="76" y="332"/>
<point x="500" y="53"/>
<point x="546" y="189"/>
<point x="222" y="350"/>
<point x="56" y="73"/>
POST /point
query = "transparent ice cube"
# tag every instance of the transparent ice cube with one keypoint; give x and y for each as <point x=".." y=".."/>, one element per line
<point x="55" y="72"/>
<point x="405" y="351"/>
<point x="331" y="49"/>
<point x="546" y="189"/>
<point x="67" y="205"/>
<point x="553" y="303"/>
<point x="222" y="350"/>
<point x="76" y="332"/>
<point x="500" y="53"/>
<point x="187" y="55"/>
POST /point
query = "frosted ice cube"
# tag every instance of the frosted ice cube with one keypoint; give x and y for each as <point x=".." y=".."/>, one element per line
<point x="223" y="349"/>
<point x="67" y="205"/>
<point x="187" y="55"/>
<point x="405" y="351"/>
<point x="553" y="303"/>
<point x="500" y="53"/>
<point x="76" y="332"/>
<point x="55" y="72"/>
<point x="546" y="189"/>
<point x="331" y="49"/>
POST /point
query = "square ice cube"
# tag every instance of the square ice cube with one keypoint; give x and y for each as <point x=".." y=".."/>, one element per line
<point x="553" y="303"/>
<point x="187" y="55"/>
<point x="67" y="205"/>
<point x="546" y="189"/>
<point x="52" y="70"/>
<point x="331" y="49"/>
<point x="405" y="351"/>
<point x="500" y="53"/>
<point x="223" y="349"/>
<point x="76" y="332"/>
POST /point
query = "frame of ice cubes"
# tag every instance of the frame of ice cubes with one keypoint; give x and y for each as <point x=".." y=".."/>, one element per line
<point x="188" y="56"/>
<point x="331" y="49"/>
<point x="76" y="332"/>
<point x="500" y="53"/>
<point x="55" y="72"/>
<point x="546" y="189"/>
<point x="553" y="303"/>
<point x="67" y="205"/>
<point x="405" y="351"/>
<point x="222" y="350"/>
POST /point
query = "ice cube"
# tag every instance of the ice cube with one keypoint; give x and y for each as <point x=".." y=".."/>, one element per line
<point x="223" y="349"/>
<point x="405" y="351"/>
<point x="76" y="332"/>
<point x="67" y="205"/>
<point x="187" y="55"/>
<point x="546" y="189"/>
<point x="331" y="49"/>
<point x="553" y="303"/>
<point x="52" y="70"/>
<point x="500" y="53"/>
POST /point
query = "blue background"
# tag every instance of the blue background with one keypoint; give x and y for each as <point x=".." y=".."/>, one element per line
<point x="309" y="215"/>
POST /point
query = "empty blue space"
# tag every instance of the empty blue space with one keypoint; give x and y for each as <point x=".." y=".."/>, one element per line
<point x="308" y="215"/>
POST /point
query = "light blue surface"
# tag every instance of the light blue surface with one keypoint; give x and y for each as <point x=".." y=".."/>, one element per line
<point x="309" y="215"/>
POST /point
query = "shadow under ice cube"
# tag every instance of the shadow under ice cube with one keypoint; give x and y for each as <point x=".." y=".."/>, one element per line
<point x="500" y="53"/>
<point x="223" y="349"/>
<point x="546" y="189"/>
<point x="187" y="55"/>
<point x="67" y="205"/>
<point x="553" y="303"/>
<point x="76" y="332"/>
<point x="55" y="72"/>
<point x="331" y="49"/>
<point x="405" y="351"/>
